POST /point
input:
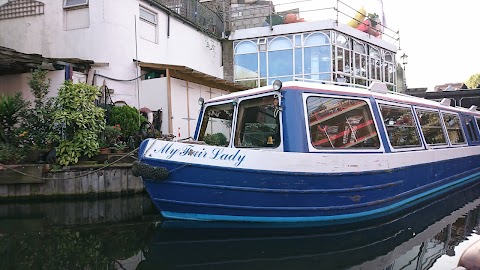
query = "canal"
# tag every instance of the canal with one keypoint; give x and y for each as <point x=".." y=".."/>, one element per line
<point x="127" y="233"/>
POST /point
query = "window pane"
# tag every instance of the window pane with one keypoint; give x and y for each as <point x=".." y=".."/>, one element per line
<point x="280" y="63"/>
<point x="454" y="131"/>
<point x="148" y="16"/>
<point x="341" y="123"/>
<point x="217" y="124"/>
<point x="431" y="127"/>
<point x="401" y="129"/>
<point x="280" y="44"/>
<point x="316" y="39"/>
<point x="246" y="66"/>
<point x="317" y="59"/>
<point x="71" y="3"/>
<point x="258" y="123"/>
<point x="246" y="47"/>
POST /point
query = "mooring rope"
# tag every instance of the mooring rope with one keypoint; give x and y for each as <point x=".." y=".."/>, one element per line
<point x="74" y="177"/>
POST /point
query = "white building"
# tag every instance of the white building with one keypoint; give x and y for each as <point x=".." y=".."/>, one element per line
<point x="125" y="39"/>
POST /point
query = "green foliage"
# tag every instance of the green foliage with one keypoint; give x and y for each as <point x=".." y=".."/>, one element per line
<point x="77" y="122"/>
<point x="38" y="120"/>
<point x="11" y="110"/>
<point x="9" y="154"/>
<point x="129" y="119"/>
<point x="215" y="139"/>
<point x="473" y="82"/>
<point x="112" y="134"/>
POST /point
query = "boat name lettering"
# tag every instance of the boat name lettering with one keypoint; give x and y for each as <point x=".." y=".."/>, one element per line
<point x="189" y="150"/>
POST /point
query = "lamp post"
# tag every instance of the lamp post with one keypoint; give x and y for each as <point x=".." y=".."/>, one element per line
<point x="404" y="58"/>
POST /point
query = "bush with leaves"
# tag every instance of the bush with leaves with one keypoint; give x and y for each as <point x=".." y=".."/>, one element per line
<point x="10" y="154"/>
<point x="473" y="82"/>
<point x="129" y="119"/>
<point x="77" y="122"/>
<point x="11" y="110"/>
<point x="38" y="120"/>
<point x="218" y="139"/>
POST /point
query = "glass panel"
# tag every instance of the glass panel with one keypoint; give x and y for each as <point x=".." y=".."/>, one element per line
<point x="263" y="64"/>
<point x="317" y="59"/>
<point x="298" y="61"/>
<point x="471" y="129"/>
<point x="454" y="131"/>
<point x="298" y="40"/>
<point x="316" y="39"/>
<point x="280" y="43"/>
<point x="359" y="47"/>
<point x="246" y="66"/>
<point x="431" y="127"/>
<point x="72" y="3"/>
<point x="148" y="16"/>
<point x="245" y="47"/>
<point x="401" y="129"/>
<point x="341" y="123"/>
<point x="248" y="83"/>
<point x="280" y="63"/>
<point x="321" y="76"/>
<point x="258" y="123"/>
<point x="217" y="124"/>
<point x="342" y="41"/>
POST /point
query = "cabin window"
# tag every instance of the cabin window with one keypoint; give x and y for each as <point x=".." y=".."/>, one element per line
<point x="217" y="124"/>
<point x="258" y="123"/>
<point x="454" y="131"/>
<point x="341" y="123"/>
<point x="472" y="132"/>
<point x="401" y="129"/>
<point x="431" y="127"/>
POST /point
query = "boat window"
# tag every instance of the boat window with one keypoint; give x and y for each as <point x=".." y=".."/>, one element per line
<point x="341" y="123"/>
<point x="258" y="123"/>
<point x="471" y="129"/>
<point x="454" y="131"/>
<point x="431" y="127"/>
<point x="401" y="129"/>
<point x="217" y="124"/>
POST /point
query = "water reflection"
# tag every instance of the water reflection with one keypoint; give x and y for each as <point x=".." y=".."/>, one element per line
<point x="125" y="233"/>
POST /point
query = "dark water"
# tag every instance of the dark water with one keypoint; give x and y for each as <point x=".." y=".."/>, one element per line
<point x="127" y="233"/>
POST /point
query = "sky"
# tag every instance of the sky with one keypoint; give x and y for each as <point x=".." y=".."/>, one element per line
<point x="441" y="38"/>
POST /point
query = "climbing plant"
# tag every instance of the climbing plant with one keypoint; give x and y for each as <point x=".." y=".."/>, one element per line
<point x="77" y="122"/>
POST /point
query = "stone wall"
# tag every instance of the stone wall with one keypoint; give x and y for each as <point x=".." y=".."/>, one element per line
<point x="245" y="16"/>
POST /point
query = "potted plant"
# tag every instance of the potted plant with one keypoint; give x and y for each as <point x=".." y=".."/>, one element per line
<point x="119" y="147"/>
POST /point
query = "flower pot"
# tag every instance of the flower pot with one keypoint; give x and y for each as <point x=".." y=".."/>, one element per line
<point x="104" y="151"/>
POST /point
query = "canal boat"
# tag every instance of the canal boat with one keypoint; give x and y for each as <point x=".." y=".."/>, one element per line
<point x="312" y="152"/>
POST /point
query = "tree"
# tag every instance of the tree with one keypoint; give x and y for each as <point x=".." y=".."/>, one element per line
<point x="474" y="81"/>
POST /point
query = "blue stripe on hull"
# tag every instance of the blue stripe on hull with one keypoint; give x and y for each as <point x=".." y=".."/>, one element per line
<point x="204" y="193"/>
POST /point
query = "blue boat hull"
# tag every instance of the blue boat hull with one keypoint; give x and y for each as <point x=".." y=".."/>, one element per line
<point x="200" y="192"/>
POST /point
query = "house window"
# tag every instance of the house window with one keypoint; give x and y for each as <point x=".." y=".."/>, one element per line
<point x="341" y="123"/>
<point x="148" y="16"/>
<point x="74" y="3"/>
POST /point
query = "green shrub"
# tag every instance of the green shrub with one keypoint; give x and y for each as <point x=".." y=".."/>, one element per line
<point x="11" y="110"/>
<point x="129" y="119"/>
<point x="77" y="122"/>
<point x="9" y="154"/>
<point x="215" y="139"/>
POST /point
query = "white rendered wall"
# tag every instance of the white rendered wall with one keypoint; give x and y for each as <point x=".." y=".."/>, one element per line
<point x="106" y="34"/>
<point x="11" y="84"/>
<point x="153" y="95"/>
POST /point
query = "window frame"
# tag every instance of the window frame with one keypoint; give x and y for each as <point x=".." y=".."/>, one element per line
<point x="222" y="102"/>
<point x="140" y="8"/>
<point x="465" y="143"/>
<point x="414" y="119"/>
<point x="427" y="145"/>
<point x="65" y="6"/>
<point x="235" y="123"/>
<point x="312" y="148"/>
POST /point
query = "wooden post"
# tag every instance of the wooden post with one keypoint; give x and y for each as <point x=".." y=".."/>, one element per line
<point x="169" y="97"/>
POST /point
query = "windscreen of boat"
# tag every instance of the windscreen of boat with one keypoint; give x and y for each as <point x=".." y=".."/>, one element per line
<point x="258" y="124"/>
<point x="217" y="124"/>
<point x="341" y="123"/>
